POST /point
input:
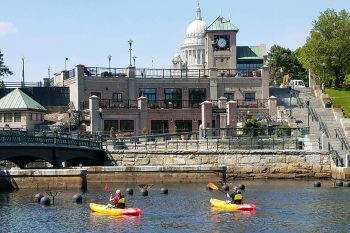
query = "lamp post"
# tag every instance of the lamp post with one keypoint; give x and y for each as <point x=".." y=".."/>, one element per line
<point x="109" y="63"/>
<point x="69" y="115"/>
<point x="65" y="63"/>
<point x="142" y="83"/>
<point x="130" y="43"/>
<point x="222" y="83"/>
<point x="134" y="58"/>
<point x="23" y="70"/>
<point x="100" y="114"/>
<point x="308" y="113"/>
<point x="324" y="67"/>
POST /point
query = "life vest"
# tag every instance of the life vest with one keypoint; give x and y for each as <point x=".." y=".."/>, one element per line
<point x="121" y="200"/>
<point x="238" y="197"/>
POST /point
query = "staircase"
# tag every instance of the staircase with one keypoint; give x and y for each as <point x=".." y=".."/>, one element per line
<point x="323" y="126"/>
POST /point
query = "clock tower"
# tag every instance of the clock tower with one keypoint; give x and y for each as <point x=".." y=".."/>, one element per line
<point x="220" y="44"/>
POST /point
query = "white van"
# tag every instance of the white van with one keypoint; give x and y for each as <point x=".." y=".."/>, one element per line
<point x="296" y="83"/>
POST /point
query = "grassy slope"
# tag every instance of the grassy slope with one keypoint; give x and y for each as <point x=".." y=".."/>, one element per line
<point x="340" y="97"/>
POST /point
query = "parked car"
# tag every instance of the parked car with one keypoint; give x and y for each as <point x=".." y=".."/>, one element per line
<point x="297" y="83"/>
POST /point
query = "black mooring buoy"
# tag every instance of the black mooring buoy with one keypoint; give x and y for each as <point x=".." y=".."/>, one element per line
<point x="77" y="198"/>
<point x="241" y="187"/>
<point x="339" y="183"/>
<point x="45" y="201"/>
<point x="129" y="191"/>
<point x="164" y="191"/>
<point x="38" y="197"/>
<point x="144" y="192"/>
<point x="317" y="184"/>
<point x="225" y="187"/>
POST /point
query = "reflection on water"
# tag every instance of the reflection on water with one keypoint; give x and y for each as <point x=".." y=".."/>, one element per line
<point x="282" y="206"/>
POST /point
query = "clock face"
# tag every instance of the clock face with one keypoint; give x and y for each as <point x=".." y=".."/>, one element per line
<point x="221" y="42"/>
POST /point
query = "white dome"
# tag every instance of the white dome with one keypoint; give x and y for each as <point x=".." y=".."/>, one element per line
<point x="196" y="28"/>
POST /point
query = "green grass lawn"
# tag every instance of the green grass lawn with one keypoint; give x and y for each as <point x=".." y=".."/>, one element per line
<point x="340" y="97"/>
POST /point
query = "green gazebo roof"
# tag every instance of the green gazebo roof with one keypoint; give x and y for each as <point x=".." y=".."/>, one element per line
<point x="17" y="99"/>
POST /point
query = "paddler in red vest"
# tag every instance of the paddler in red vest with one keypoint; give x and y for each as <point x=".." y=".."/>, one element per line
<point x="118" y="201"/>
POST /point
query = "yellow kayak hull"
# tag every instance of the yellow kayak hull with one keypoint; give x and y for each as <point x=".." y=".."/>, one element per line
<point x="228" y="206"/>
<point x="104" y="209"/>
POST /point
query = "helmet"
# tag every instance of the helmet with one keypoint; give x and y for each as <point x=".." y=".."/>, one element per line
<point x="118" y="191"/>
<point x="238" y="191"/>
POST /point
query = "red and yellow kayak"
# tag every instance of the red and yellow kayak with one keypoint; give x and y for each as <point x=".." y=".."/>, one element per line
<point x="104" y="209"/>
<point x="227" y="206"/>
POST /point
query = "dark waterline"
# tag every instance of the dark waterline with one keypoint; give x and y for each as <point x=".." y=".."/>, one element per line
<point x="282" y="206"/>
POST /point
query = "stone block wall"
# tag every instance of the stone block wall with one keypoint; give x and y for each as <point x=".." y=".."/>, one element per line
<point x="239" y="163"/>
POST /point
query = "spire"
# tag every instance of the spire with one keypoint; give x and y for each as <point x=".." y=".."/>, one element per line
<point x="198" y="12"/>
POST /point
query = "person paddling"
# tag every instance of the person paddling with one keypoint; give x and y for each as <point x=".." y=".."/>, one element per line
<point x="118" y="201"/>
<point x="236" y="195"/>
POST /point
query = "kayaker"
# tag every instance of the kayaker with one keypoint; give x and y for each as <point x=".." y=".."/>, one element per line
<point x="236" y="195"/>
<point x="118" y="201"/>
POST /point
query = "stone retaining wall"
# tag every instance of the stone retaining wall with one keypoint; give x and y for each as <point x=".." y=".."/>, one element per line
<point x="240" y="164"/>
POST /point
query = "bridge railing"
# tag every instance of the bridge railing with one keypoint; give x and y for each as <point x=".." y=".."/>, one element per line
<point x="35" y="137"/>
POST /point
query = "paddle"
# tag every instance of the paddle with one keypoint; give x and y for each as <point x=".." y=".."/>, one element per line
<point x="214" y="187"/>
<point x="107" y="188"/>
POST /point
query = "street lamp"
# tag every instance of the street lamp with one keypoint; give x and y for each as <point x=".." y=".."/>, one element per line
<point x="65" y="63"/>
<point x="222" y="83"/>
<point x="290" y="103"/>
<point x="100" y="114"/>
<point x="142" y="83"/>
<point x="308" y="113"/>
<point x="134" y="58"/>
<point x="109" y="63"/>
<point x="69" y="115"/>
<point x="324" y="67"/>
<point x="130" y="43"/>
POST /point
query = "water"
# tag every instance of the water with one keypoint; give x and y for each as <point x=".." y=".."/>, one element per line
<point x="282" y="206"/>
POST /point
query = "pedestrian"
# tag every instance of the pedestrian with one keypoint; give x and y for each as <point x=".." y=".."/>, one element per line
<point x="322" y="87"/>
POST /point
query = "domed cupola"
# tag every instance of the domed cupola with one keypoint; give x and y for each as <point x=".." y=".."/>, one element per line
<point x="193" y="49"/>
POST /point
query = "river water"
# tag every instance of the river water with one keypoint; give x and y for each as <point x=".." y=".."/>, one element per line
<point x="282" y="206"/>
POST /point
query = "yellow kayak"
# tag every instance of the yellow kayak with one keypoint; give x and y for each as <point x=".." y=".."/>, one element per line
<point x="104" y="209"/>
<point x="228" y="206"/>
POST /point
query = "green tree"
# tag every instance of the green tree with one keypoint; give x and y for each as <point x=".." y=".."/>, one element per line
<point x="329" y="43"/>
<point x="253" y="127"/>
<point x="4" y="70"/>
<point x="284" y="61"/>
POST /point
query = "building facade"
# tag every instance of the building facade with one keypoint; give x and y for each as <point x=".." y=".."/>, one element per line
<point x="210" y="70"/>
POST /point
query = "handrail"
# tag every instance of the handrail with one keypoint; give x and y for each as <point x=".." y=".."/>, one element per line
<point x="335" y="156"/>
<point x="313" y="114"/>
<point x="344" y="142"/>
<point x="323" y="127"/>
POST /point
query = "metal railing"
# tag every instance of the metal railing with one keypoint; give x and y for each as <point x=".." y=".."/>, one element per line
<point x="323" y="127"/>
<point x="335" y="156"/>
<point x="165" y="73"/>
<point x="342" y="139"/>
<point x="39" y="137"/>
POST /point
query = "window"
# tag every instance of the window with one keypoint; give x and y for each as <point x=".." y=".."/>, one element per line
<point x="249" y="96"/>
<point x="117" y="97"/>
<point x="150" y="94"/>
<point x="173" y="97"/>
<point x="108" y="124"/>
<point x="1" y="117"/>
<point x="196" y="96"/>
<point x="7" y="117"/>
<point x="229" y="96"/>
<point x="245" y="69"/>
<point x="127" y="125"/>
<point x="17" y="117"/>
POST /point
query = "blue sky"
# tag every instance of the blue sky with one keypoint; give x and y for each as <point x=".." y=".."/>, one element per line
<point x="44" y="32"/>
